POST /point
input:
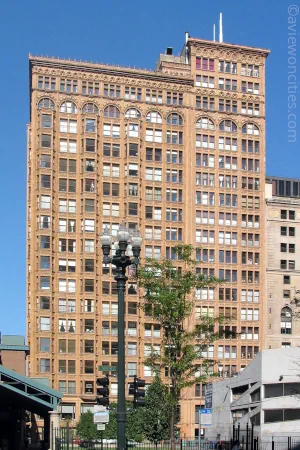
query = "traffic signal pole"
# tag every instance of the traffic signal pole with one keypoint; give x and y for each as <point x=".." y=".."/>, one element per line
<point x="121" y="279"/>
<point x="121" y="261"/>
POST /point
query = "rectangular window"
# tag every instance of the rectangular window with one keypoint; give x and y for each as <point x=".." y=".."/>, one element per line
<point x="68" y="85"/>
<point x="90" y="87"/>
<point x="227" y="67"/>
<point x="46" y="140"/>
<point x="46" y="121"/>
<point x="112" y="90"/>
<point x="174" y="98"/>
<point x="153" y="96"/>
<point x="44" y="365"/>
<point x="45" y="324"/>
<point x="44" y="302"/>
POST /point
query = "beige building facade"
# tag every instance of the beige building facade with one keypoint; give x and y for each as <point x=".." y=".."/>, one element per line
<point x="282" y="322"/>
<point x="178" y="152"/>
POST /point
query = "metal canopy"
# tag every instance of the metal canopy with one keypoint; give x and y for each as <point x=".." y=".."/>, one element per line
<point x="23" y="392"/>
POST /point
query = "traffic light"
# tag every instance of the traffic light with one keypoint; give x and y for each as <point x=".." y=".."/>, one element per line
<point x="137" y="392"/>
<point x="103" y="391"/>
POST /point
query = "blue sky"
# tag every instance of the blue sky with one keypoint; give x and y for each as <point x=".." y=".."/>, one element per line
<point x="121" y="32"/>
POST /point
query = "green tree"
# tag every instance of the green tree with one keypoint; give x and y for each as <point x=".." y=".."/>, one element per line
<point x="157" y="412"/>
<point x="169" y="295"/>
<point x="86" y="428"/>
<point x="134" y="423"/>
<point x="111" y="427"/>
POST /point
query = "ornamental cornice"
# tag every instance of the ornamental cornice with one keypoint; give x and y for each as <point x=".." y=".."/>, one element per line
<point x="97" y="72"/>
<point x="251" y="98"/>
<point x="208" y="92"/>
<point x="114" y="79"/>
<point x="177" y="73"/>
<point x="240" y="57"/>
<point x="226" y="50"/>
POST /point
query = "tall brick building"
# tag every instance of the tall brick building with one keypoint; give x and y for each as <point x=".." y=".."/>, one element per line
<point x="179" y="152"/>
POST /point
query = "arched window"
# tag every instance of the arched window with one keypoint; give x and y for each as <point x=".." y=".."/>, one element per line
<point x="132" y="113"/>
<point x="90" y="108"/>
<point x="205" y="123"/>
<point x="154" y="117"/>
<point x="228" y="126"/>
<point x="46" y="103"/>
<point x="286" y="320"/>
<point x="174" y="119"/>
<point x="112" y="111"/>
<point x="250" y="128"/>
<point x="68" y="107"/>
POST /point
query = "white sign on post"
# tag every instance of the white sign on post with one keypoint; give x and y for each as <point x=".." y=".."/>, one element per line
<point x="206" y="417"/>
<point x="101" y="414"/>
<point x="100" y="426"/>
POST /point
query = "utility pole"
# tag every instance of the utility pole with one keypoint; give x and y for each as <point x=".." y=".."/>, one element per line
<point x="199" y="440"/>
<point x="121" y="261"/>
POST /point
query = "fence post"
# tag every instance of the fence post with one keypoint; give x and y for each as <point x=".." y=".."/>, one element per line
<point x="51" y="436"/>
<point x="238" y="432"/>
<point x="252" y="436"/>
<point x="180" y="443"/>
<point x="68" y="436"/>
<point x="273" y="444"/>
<point x="247" y="440"/>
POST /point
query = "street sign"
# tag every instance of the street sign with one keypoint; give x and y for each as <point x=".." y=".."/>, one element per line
<point x="100" y="416"/>
<point x="100" y="426"/>
<point x="206" y="417"/>
<point x="107" y="368"/>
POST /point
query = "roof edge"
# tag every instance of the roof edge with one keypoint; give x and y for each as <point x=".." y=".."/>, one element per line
<point x="263" y="51"/>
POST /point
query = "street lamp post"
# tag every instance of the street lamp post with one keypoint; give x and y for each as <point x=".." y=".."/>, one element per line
<point x="121" y="261"/>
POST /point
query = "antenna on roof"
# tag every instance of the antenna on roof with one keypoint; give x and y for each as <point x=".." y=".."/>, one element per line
<point x="214" y="32"/>
<point x="186" y="47"/>
<point x="221" y="28"/>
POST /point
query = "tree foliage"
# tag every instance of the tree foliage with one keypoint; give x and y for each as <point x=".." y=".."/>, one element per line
<point x="86" y="429"/>
<point x="134" y="425"/>
<point x="111" y="427"/>
<point x="169" y="295"/>
<point x="157" y="412"/>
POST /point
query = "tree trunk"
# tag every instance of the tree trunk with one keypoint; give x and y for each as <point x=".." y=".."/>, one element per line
<point x="172" y="430"/>
<point x="173" y="412"/>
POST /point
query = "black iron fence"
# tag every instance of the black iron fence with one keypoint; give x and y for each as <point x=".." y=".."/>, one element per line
<point x="242" y="439"/>
<point x="280" y="443"/>
<point x="246" y="439"/>
<point x="66" y="439"/>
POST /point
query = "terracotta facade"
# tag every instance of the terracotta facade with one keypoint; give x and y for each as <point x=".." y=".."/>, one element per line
<point x="179" y="152"/>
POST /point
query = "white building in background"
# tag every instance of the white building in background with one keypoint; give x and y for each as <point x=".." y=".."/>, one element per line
<point x="266" y="393"/>
<point x="282" y="325"/>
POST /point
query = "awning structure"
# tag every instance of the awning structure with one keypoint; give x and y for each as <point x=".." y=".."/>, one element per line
<point x="19" y="391"/>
